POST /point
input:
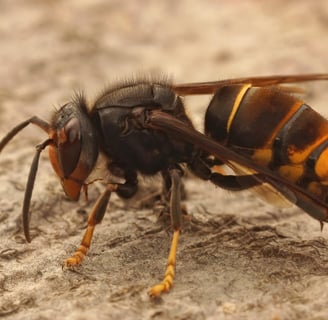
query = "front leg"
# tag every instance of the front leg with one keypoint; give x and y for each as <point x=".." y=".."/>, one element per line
<point x="125" y="190"/>
<point x="96" y="215"/>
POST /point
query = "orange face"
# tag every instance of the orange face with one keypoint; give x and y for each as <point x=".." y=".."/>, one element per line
<point x="73" y="151"/>
<point x="72" y="185"/>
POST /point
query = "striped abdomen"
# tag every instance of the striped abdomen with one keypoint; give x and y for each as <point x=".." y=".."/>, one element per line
<point x="274" y="129"/>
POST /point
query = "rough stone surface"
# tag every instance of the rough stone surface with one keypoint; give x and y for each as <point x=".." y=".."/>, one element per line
<point x="238" y="258"/>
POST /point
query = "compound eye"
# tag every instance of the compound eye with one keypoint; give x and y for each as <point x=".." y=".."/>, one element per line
<point x="69" y="146"/>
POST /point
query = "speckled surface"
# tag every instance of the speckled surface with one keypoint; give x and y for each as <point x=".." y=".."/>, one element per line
<point x="240" y="258"/>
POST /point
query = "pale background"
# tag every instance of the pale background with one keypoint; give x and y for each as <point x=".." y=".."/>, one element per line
<point x="241" y="259"/>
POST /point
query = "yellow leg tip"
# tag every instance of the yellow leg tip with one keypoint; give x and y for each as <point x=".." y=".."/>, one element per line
<point x="157" y="290"/>
<point x="164" y="286"/>
<point x="169" y="276"/>
<point x="76" y="259"/>
<point x="71" y="262"/>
